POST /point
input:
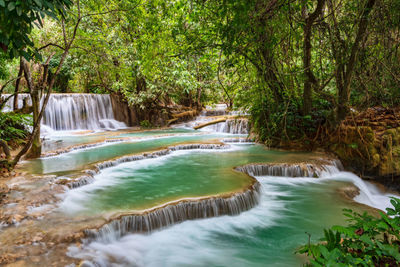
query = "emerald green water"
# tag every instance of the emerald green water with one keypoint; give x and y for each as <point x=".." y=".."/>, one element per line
<point x="148" y="183"/>
<point x="77" y="160"/>
<point x="266" y="235"/>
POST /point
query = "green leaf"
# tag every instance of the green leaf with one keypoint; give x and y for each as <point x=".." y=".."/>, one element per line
<point x="2" y="3"/>
<point x="39" y="3"/>
<point x="11" y="6"/>
<point x="19" y="11"/>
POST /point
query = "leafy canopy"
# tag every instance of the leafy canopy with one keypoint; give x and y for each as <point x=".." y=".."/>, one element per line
<point x="17" y="19"/>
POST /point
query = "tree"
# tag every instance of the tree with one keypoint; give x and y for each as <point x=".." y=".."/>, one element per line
<point x="37" y="87"/>
<point x="345" y="62"/>
<point x="17" y="19"/>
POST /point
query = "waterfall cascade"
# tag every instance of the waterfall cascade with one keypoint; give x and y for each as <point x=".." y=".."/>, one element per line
<point x="231" y="126"/>
<point x="173" y="213"/>
<point x="75" y="112"/>
<point x="292" y="170"/>
<point x="80" y="111"/>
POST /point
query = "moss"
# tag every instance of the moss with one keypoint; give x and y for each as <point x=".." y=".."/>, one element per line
<point x="392" y="132"/>
<point x="376" y="159"/>
<point x="396" y="151"/>
<point x="370" y="137"/>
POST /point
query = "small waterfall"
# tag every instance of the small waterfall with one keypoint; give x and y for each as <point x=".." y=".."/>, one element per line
<point x="232" y="126"/>
<point x="173" y="213"/>
<point x="292" y="170"/>
<point x="238" y="140"/>
<point x="75" y="112"/>
<point x="80" y="111"/>
<point x="81" y="181"/>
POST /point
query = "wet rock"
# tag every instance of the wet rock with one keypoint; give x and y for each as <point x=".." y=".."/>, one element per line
<point x="16" y="218"/>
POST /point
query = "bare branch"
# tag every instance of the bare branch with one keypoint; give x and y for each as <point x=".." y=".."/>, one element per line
<point x="51" y="44"/>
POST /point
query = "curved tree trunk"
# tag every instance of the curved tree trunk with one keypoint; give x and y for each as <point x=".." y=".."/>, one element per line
<point x="6" y="149"/>
<point x="307" y="46"/>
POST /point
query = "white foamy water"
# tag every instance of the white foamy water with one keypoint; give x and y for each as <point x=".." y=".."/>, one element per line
<point x="80" y="111"/>
<point x="370" y="194"/>
<point x="74" y="112"/>
<point x="218" y="241"/>
<point x="191" y="242"/>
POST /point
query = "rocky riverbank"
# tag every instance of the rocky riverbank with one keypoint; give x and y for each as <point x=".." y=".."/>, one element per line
<point x="368" y="143"/>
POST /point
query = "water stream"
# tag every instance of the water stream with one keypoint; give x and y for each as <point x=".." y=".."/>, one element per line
<point x="74" y="112"/>
<point x="223" y="201"/>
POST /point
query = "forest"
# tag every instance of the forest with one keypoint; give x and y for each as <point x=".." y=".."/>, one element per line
<point x="310" y="87"/>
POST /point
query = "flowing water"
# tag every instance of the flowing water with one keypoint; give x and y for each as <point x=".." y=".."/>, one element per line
<point x="179" y="197"/>
<point x="74" y="112"/>
<point x="265" y="235"/>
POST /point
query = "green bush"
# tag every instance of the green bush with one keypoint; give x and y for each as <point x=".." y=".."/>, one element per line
<point x="14" y="127"/>
<point x="145" y="124"/>
<point x="286" y="121"/>
<point x="366" y="241"/>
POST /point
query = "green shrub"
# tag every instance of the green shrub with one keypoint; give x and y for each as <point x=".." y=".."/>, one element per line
<point x="366" y="241"/>
<point x="13" y="126"/>
<point x="145" y="124"/>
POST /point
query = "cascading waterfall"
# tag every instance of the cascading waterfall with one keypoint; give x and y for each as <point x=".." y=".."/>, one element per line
<point x="237" y="140"/>
<point x="231" y="126"/>
<point x="292" y="170"/>
<point x="75" y="111"/>
<point x="172" y="212"/>
<point x="177" y="212"/>
<point x="80" y="111"/>
<point x="369" y="194"/>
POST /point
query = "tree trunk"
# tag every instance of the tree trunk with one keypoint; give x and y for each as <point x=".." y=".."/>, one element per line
<point x="344" y="90"/>
<point x="36" y="148"/>
<point x="16" y="91"/>
<point x="198" y="104"/>
<point x="6" y="149"/>
<point x="309" y="75"/>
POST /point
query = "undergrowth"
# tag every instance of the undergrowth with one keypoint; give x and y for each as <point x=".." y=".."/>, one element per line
<point x="14" y="127"/>
<point x="366" y="241"/>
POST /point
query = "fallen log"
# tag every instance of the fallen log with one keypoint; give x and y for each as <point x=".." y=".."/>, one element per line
<point x="171" y="121"/>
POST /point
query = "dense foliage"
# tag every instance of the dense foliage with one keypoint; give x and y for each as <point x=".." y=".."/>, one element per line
<point x="14" y="127"/>
<point x="366" y="241"/>
<point x="17" y="19"/>
<point x="295" y="66"/>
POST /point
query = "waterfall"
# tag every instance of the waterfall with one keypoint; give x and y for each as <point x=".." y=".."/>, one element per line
<point x="292" y="170"/>
<point x="232" y="126"/>
<point x="75" y="112"/>
<point x="173" y="213"/>
<point x="238" y="140"/>
<point x="80" y="111"/>
<point x="9" y="104"/>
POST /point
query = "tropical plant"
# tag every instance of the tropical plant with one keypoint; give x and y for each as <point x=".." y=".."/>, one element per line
<point x="366" y="241"/>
